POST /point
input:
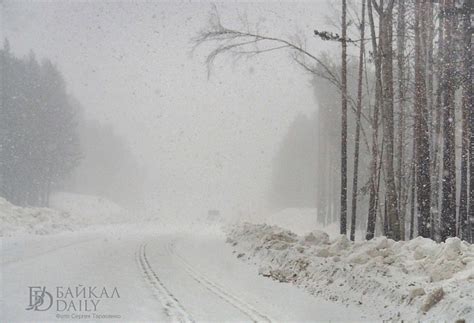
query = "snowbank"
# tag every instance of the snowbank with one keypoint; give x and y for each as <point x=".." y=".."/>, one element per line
<point x="17" y="220"/>
<point x="410" y="280"/>
<point x="69" y="212"/>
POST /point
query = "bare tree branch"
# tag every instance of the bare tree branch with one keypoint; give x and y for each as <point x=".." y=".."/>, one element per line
<point x="249" y="44"/>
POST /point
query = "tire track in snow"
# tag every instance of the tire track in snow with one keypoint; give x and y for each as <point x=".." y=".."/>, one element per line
<point x="219" y="291"/>
<point x="173" y="308"/>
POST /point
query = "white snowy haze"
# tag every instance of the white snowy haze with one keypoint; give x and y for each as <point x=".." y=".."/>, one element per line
<point x="204" y="142"/>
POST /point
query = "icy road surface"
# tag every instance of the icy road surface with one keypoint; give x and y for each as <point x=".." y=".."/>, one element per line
<point x="156" y="275"/>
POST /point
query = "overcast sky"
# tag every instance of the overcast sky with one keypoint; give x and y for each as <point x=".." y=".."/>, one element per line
<point x="206" y="141"/>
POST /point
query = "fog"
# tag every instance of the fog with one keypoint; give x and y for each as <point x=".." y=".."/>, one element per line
<point x="201" y="140"/>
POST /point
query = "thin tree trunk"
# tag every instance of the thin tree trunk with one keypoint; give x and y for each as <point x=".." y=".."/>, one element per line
<point x="448" y="211"/>
<point x="471" y="149"/>
<point x="378" y="180"/>
<point x="462" y="224"/>
<point x="343" y="221"/>
<point x="429" y="50"/>
<point x="357" y="134"/>
<point x="401" y="106"/>
<point x="386" y="222"/>
<point x="373" y="196"/>
<point x="423" y="179"/>
<point x="388" y="120"/>
<point x="413" y="190"/>
<point x="437" y="142"/>
<point x="468" y="107"/>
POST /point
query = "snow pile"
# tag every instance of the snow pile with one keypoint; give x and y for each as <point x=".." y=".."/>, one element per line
<point x="88" y="209"/>
<point x="410" y="280"/>
<point x="19" y="220"/>
<point x="68" y="212"/>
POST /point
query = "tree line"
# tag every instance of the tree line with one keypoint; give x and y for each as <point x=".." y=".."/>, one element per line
<point x="39" y="146"/>
<point x="306" y="164"/>
<point x="422" y="58"/>
<point x="409" y="116"/>
<point x="47" y="144"/>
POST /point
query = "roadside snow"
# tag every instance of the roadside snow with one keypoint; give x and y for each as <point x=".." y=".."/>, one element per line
<point x="410" y="280"/>
<point x="69" y="212"/>
<point x="17" y="220"/>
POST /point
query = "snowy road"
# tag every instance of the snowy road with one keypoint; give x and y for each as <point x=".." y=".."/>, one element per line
<point x="157" y="275"/>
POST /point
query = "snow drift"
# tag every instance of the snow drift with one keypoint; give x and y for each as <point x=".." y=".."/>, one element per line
<point x="20" y="220"/>
<point x="69" y="213"/>
<point x="410" y="280"/>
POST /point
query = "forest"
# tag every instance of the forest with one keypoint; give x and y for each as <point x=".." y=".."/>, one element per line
<point x="391" y="150"/>
<point x="34" y="99"/>
<point x="47" y="144"/>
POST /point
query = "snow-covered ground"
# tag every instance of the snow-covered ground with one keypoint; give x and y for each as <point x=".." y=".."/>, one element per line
<point x="159" y="275"/>
<point x="170" y="271"/>
<point x="409" y="280"/>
